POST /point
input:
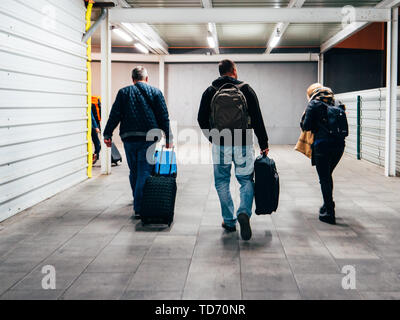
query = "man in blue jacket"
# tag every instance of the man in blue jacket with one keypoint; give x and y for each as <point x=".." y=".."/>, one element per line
<point x="139" y="109"/>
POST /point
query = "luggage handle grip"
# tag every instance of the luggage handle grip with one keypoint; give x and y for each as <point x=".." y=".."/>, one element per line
<point x="170" y="166"/>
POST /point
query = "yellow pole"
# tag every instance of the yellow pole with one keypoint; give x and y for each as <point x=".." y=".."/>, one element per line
<point x="89" y="91"/>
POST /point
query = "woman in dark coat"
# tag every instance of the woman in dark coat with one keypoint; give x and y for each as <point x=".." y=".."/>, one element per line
<point x="327" y="149"/>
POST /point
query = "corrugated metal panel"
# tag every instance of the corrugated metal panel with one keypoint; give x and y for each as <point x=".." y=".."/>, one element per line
<point x="43" y="81"/>
<point x="373" y="114"/>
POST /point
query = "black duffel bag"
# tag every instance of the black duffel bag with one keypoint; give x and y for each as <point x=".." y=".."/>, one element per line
<point x="266" y="189"/>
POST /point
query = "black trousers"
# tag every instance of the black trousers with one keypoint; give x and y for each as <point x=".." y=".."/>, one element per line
<point x="96" y="141"/>
<point x="326" y="159"/>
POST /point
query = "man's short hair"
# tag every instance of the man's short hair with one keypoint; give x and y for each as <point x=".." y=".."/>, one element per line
<point x="139" y="73"/>
<point x="226" y="66"/>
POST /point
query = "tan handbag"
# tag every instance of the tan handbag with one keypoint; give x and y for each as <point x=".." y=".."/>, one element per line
<point x="306" y="139"/>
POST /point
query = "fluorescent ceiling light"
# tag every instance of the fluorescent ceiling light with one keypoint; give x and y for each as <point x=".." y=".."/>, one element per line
<point x="141" y="36"/>
<point x="122" y="34"/>
<point x="141" y="48"/>
<point x="275" y="40"/>
<point x="210" y="39"/>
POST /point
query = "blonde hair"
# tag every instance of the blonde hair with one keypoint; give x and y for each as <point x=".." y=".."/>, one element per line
<point x="312" y="88"/>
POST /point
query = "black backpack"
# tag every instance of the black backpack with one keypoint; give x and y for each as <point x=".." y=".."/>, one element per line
<point x="336" y="123"/>
<point x="229" y="108"/>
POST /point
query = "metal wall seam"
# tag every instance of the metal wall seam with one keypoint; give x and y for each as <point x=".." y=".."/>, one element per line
<point x="70" y="10"/>
<point x="14" y="15"/>
<point x="21" y="141"/>
<point x="39" y="58"/>
<point x="372" y="130"/>
<point x="43" y="87"/>
<point x="40" y="42"/>
<point x="40" y="194"/>
<point x="75" y="93"/>
<point x="20" y="174"/>
<point x="53" y="177"/>
<point x="22" y="124"/>
<point x="40" y="153"/>
<point x="2" y="68"/>
<point x="30" y="5"/>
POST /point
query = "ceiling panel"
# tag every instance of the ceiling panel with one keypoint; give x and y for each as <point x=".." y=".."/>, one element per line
<point x="242" y="35"/>
<point x="237" y="35"/>
<point x="308" y="34"/>
<point x="189" y="35"/>
<point x="164" y="3"/>
<point x="250" y="3"/>
<point x="341" y="3"/>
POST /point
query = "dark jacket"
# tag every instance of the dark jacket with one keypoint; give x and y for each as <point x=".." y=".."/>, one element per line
<point x="257" y="123"/>
<point x="313" y="120"/>
<point x="139" y="108"/>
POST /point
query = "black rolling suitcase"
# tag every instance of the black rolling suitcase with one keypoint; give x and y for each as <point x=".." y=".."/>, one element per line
<point x="266" y="189"/>
<point x="115" y="155"/>
<point x="158" y="204"/>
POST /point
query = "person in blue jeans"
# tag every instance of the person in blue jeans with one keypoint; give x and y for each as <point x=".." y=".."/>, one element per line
<point x="229" y="113"/>
<point x="142" y="114"/>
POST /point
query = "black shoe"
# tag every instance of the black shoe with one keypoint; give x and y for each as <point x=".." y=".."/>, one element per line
<point x="228" y="228"/>
<point x="137" y="216"/>
<point x="322" y="210"/>
<point x="328" y="217"/>
<point x="245" y="229"/>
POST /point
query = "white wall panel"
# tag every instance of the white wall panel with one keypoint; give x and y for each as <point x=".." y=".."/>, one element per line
<point x="121" y="74"/>
<point x="280" y="87"/>
<point x="43" y="81"/>
<point x="373" y="113"/>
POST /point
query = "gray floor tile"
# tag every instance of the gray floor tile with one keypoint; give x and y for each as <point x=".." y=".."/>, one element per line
<point x="329" y="287"/>
<point x="271" y="295"/>
<point x="98" y="286"/>
<point x="220" y="281"/>
<point x="160" y="275"/>
<point x="267" y="275"/>
<point x="32" y="295"/>
<point x="100" y="253"/>
<point x="172" y="247"/>
<point x="152" y="295"/>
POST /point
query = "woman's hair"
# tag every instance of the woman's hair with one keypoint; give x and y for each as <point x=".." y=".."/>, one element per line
<point x="312" y="88"/>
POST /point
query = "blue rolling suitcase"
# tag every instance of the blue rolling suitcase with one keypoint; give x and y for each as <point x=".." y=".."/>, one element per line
<point x="165" y="163"/>
<point x="159" y="194"/>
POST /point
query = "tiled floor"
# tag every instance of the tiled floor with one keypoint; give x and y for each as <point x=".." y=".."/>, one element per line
<point x="100" y="253"/>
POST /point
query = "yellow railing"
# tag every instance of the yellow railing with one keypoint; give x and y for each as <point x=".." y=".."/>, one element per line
<point x="89" y="90"/>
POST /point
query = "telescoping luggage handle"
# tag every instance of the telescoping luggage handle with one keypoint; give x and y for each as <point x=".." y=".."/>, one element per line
<point x="170" y="166"/>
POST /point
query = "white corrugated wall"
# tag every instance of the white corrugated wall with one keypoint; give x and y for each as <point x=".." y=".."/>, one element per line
<point x="373" y="115"/>
<point x="43" y="100"/>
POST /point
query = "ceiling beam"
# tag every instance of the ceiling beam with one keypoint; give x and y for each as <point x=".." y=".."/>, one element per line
<point x="355" y="27"/>
<point x="281" y="27"/>
<point x="201" y="58"/>
<point x="212" y="25"/>
<point x="145" y="33"/>
<point x="244" y="15"/>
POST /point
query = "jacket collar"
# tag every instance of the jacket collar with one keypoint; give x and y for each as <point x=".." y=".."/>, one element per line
<point x="225" y="79"/>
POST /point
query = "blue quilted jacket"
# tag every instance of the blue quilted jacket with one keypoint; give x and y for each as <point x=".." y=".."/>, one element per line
<point x="138" y="109"/>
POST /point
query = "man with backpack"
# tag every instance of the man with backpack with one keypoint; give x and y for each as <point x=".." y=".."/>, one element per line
<point x="328" y="121"/>
<point x="229" y="112"/>
<point x="139" y="109"/>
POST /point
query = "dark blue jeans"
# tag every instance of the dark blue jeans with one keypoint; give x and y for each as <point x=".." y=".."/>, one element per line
<point x="139" y="155"/>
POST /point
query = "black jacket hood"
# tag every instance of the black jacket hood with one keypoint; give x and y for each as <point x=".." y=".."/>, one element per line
<point x="225" y="79"/>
